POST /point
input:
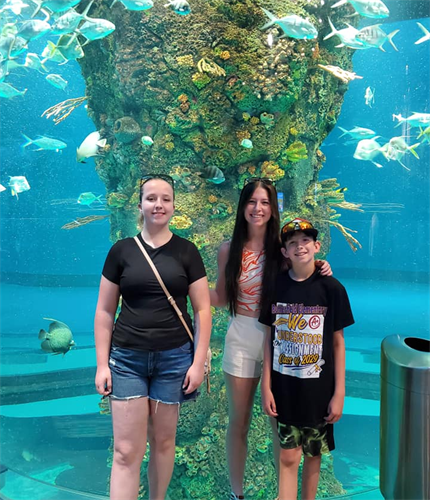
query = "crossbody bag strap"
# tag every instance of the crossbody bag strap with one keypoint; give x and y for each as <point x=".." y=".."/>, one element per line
<point x="163" y="286"/>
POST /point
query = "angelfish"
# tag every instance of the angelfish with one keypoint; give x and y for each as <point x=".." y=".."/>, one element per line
<point x="90" y="147"/>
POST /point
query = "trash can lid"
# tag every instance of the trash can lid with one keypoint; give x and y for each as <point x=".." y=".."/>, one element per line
<point x="405" y="362"/>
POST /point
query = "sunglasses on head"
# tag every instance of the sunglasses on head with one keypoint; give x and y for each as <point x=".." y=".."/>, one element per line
<point x="163" y="177"/>
<point x="264" y="180"/>
<point x="297" y="225"/>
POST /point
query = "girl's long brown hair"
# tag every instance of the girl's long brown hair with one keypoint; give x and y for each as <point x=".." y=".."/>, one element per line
<point x="272" y="247"/>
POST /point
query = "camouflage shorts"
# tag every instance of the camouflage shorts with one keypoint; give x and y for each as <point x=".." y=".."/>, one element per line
<point x="314" y="441"/>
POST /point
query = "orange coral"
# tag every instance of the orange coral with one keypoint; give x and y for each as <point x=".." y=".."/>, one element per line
<point x="252" y="169"/>
<point x="185" y="106"/>
<point x="255" y="120"/>
<point x="212" y="198"/>
<point x="183" y="98"/>
<point x="242" y="134"/>
<point x="225" y="54"/>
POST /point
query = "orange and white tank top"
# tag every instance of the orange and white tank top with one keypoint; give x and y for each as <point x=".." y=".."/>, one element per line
<point x="251" y="280"/>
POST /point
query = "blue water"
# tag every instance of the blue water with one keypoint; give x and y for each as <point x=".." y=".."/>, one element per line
<point x="60" y="437"/>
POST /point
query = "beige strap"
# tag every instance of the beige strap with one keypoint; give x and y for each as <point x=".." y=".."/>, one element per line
<point x="163" y="286"/>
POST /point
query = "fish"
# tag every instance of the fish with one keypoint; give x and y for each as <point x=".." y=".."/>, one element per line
<point x="342" y="74"/>
<point x="396" y="149"/>
<point x="135" y="4"/>
<point x="369" y="97"/>
<point x="212" y="174"/>
<point x="88" y="198"/>
<point x="247" y="143"/>
<point x="44" y="143"/>
<point x="90" y="147"/>
<point x="9" y="92"/>
<point x="415" y="120"/>
<point x="69" y="22"/>
<point x="55" y="6"/>
<point x="292" y="26"/>
<point x="147" y="141"/>
<point x="426" y="36"/>
<point x="57" y="81"/>
<point x="95" y="29"/>
<point x="358" y="133"/>
<point x="347" y="36"/>
<point x="367" y="149"/>
<point x="425" y="134"/>
<point x="18" y="184"/>
<point x="82" y="221"/>
<point x="34" y="29"/>
<point x="15" y="6"/>
<point x="58" y="339"/>
<point x="375" y="9"/>
<point x="375" y="36"/>
<point x="68" y="46"/>
<point x="19" y="46"/>
<point x="181" y="7"/>
<point x="6" y="44"/>
<point x="2" y="188"/>
<point x="32" y="61"/>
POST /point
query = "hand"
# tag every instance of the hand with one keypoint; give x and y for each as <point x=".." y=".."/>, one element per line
<point x="193" y="378"/>
<point x="268" y="402"/>
<point x="324" y="267"/>
<point x="334" y="410"/>
<point x="103" y="381"/>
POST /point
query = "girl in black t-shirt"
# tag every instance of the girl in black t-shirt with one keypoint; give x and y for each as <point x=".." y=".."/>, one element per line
<point x="146" y="363"/>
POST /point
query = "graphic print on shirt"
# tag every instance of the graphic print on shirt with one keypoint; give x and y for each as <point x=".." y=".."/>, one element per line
<point x="299" y="340"/>
<point x="250" y="280"/>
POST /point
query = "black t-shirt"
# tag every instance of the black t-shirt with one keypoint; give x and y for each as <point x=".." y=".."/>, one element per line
<point x="303" y="319"/>
<point x="147" y="321"/>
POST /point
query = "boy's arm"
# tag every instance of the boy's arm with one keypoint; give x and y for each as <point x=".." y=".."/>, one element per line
<point x="335" y="406"/>
<point x="267" y="399"/>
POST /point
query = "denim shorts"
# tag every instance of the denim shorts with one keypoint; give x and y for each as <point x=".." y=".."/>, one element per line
<point x="315" y="441"/>
<point x="158" y="375"/>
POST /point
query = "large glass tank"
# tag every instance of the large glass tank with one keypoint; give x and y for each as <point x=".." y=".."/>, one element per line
<point x="207" y="95"/>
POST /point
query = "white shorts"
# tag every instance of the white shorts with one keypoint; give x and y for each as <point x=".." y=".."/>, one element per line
<point x="243" y="349"/>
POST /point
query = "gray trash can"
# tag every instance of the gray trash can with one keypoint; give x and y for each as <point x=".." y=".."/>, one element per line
<point x="405" y="418"/>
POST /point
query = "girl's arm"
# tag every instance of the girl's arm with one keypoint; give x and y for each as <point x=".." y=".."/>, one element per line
<point x="200" y="301"/>
<point x="103" y="325"/>
<point x="218" y="296"/>
<point x="335" y="406"/>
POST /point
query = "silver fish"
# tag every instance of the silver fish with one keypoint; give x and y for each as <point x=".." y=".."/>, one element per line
<point x="44" y="143"/>
<point x="369" y="96"/>
<point x="135" y="4"/>
<point x="32" y="61"/>
<point x="95" y="29"/>
<point x="34" y="29"/>
<point x="18" y="184"/>
<point x="8" y="92"/>
<point x="57" y="81"/>
<point x="292" y="25"/>
<point x="375" y="36"/>
<point x="415" y="120"/>
<point x="358" y="133"/>
<point x="347" y="36"/>
<point x="396" y="149"/>
<point x="367" y="149"/>
<point x="375" y="9"/>
<point x="69" y="22"/>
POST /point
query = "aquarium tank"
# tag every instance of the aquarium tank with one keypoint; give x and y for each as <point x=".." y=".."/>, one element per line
<point x="329" y="99"/>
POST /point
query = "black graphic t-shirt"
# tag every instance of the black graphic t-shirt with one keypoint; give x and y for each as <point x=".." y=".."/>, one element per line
<point x="147" y="321"/>
<point x="303" y="320"/>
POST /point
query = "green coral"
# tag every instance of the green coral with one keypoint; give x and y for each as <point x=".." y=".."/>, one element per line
<point x="296" y="152"/>
<point x="200" y="80"/>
